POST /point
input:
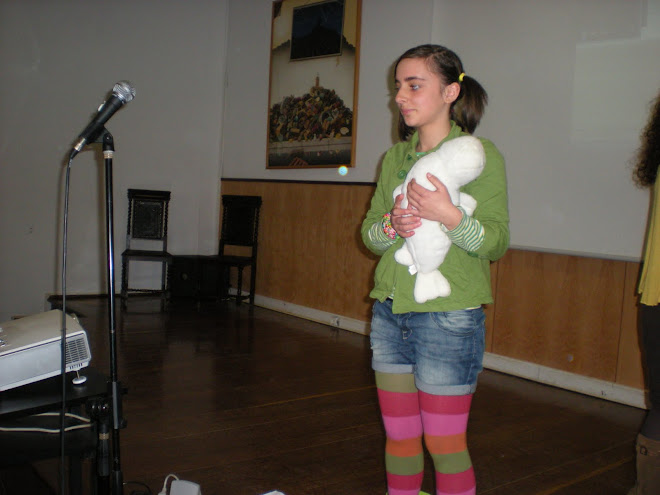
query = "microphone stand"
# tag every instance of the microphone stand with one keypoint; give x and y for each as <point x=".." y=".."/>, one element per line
<point x="118" y="421"/>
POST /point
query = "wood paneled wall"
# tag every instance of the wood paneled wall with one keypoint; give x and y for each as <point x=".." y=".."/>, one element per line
<point x="310" y="250"/>
<point x="571" y="313"/>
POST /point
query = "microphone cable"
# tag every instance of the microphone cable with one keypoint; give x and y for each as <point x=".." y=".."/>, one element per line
<point x="63" y="411"/>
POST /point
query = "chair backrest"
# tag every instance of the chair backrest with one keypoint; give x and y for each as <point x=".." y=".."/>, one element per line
<point x="147" y="216"/>
<point x="240" y="222"/>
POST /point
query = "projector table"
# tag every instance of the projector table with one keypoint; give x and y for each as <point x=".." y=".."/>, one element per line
<point x="18" y="407"/>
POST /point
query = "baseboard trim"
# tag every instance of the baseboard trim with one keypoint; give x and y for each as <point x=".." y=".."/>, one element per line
<point x="568" y="381"/>
<point x="522" y="369"/>
<point x="343" y="322"/>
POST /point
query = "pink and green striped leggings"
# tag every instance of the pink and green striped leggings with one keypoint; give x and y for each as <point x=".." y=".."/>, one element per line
<point x="441" y="420"/>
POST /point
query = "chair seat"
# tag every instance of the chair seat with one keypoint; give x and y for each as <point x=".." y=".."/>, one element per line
<point x="234" y="260"/>
<point x="145" y="255"/>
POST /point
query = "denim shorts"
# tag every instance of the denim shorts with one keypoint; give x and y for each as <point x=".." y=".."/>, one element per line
<point x="444" y="350"/>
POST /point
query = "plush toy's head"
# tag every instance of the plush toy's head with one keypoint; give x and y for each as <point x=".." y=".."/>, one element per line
<point x="462" y="159"/>
<point x="455" y="163"/>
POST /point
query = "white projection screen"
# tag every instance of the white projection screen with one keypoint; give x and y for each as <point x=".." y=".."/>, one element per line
<point x="570" y="85"/>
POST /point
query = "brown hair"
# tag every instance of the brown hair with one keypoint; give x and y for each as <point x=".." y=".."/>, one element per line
<point x="648" y="155"/>
<point x="469" y="107"/>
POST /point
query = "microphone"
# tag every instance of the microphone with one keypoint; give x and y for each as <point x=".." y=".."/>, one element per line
<point x="122" y="93"/>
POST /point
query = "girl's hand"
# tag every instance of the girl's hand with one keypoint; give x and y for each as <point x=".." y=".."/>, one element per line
<point x="433" y="205"/>
<point x="404" y="220"/>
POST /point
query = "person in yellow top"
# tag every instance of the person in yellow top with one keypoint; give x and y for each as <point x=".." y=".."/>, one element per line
<point x="648" y="440"/>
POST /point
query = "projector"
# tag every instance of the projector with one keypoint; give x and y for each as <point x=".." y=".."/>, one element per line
<point x="30" y="348"/>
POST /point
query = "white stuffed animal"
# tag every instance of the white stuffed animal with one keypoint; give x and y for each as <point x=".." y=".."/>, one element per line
<point x="456" y="163"/>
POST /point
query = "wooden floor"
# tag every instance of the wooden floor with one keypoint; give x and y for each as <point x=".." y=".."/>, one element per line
<point x="248" y="402"/>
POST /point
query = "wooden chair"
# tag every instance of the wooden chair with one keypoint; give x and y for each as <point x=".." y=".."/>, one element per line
<point x="146" y="239"/>
<point x="240" y="227"/>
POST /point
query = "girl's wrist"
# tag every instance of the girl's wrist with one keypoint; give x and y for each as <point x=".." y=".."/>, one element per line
<point x="453" y="218"/>
<point x="387" y="226"/>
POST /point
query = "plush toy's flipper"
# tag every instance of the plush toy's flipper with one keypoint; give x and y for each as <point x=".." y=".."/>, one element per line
<point x="397" y="190"/>
<point x="431" y="286"/>
<point x="403" y="256"/>
<point x="468" y="203"/>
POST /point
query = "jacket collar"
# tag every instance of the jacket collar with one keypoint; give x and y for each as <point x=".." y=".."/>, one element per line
<point x="411" y="155"/>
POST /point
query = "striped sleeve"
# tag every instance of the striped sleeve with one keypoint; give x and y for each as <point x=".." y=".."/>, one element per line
<point x="468" y="234"/>
<point x="378" y="237"/>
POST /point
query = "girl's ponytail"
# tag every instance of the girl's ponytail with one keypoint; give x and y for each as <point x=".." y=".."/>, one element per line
<point x="470" y="105"/>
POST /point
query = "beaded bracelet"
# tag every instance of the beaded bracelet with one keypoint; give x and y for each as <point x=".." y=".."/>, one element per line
<point x="387" y="226"/>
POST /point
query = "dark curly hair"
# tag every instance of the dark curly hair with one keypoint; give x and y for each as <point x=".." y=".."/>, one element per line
<point x="469" y="107"/>
<point x="648" y="155"/>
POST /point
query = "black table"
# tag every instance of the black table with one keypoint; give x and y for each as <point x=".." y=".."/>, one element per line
<point x="19" y="407"/>
<point x="197" y="277"/>
<point x="46" y="395"/>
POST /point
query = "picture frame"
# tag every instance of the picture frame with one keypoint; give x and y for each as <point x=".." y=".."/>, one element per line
<point x="312" y="104"/>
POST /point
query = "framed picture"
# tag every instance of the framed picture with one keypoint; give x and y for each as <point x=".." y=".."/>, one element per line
<point x="314" y="62"/>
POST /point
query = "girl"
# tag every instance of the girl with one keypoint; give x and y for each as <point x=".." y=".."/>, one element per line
<point x="427" y="356"/>
<point x="648" y="440"/>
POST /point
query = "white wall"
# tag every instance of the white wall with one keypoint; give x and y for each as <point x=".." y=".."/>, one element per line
<point x="58" y="62"/>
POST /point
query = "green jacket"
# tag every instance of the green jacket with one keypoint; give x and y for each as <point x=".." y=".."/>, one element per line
<point x="467" y="272"/>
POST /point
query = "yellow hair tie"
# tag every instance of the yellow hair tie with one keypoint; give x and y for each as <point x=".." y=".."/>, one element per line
<point x="460" y="78"/>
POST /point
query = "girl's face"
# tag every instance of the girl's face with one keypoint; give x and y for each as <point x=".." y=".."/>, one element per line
<point x="423" y="100"/>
